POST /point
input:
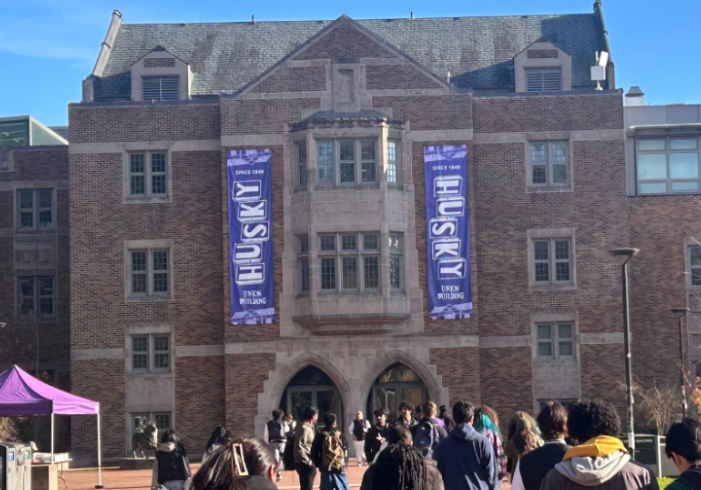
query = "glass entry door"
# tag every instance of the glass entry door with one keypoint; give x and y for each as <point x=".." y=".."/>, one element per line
<point x="326" y="398"/>
<point x="391" y="396"/>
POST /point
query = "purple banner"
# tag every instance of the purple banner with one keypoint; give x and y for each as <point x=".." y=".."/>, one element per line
<point x="250" y="237"/>
<point x="448" y="232"/>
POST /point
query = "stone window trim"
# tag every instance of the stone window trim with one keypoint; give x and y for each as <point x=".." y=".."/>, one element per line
<point x="157" y="63"/>
<point x="149" y="330"/>
<point x="353" y="266"/>
<point x="148" y="195"/>
<point x="303" y="287"/>
<point x="692" y="268"/>
<point x="150" y="353"/>
<point x="380" y="133"/>
<point x="359" y="155"/>
<point x="550" y="143"/>
<point x="37" y="293"/>
<point x="522" y="62"/>
<point x="37" y="209"/>
<point x="667" y="153"/>
<point x="148" y="246"/>
<point x="551" y="235"/>
<point x="396" y="261"/>
<point x="554" y="319"/>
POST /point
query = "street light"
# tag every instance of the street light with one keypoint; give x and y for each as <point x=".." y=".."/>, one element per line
<point x="682" y="313"/>
<point x="629" y="253"/>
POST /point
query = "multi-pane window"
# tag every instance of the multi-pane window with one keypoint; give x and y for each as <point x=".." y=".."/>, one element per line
<point x="160" y="88"/>
<point x="36" y="209"/>
<point x="391" y="161"/>
<point x="302" y="164"/>
<point x="543" y="79"/>
<point x="149" y="272"/>
<point x="148" y="175"/>
<point x="395" y="260"/>
<point x="668" y="165"/>
<point x="548" y="161"/>
<point x="555" y="339"/>
<point x="304" y="263"/>
<point x="347" y="161"/>
<point x="552" y="259"/>
<point x="695" y="265"/>
<point x="150" y="353"/>
<point x="36" y="296"/>
<point x="349" y="261"/>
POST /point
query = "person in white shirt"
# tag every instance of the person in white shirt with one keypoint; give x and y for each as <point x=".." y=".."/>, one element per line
<point x="357" y="429"/>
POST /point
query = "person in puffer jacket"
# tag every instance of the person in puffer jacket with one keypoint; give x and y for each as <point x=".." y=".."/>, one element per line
<point x="600" y="461"/>
<point x="684" y="449"/>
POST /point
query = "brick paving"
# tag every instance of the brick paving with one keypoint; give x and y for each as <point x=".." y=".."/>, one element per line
<point x="115" y="479"/>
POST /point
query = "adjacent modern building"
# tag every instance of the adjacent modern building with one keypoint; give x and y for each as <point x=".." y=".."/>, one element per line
<point x="349" y="114"/>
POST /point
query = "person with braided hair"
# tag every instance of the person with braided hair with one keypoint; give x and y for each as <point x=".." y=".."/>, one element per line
<point x="400" y="466"/>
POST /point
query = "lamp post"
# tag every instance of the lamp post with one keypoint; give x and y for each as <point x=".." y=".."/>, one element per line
<point x="682" y="313"/>
<point x="629" y="253"/>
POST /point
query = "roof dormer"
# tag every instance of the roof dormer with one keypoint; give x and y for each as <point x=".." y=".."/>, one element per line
<point x="160" y="75"/>
<point x="542" y="67"/>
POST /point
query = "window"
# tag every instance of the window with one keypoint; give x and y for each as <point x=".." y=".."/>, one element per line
<point x="150" y="353"/>
<point x="302" y="164"/>
<point x="695" y="265"/>
<point x="148" y="175"/>
<point x="667" y="165"/>
<point x="549" y="165"/>
<point x="160" y="88"/>
<point x="555" y="340"/>
<point x="303" y="263"/>
<point x="349" y="261"/>
<point x="395" y="260"/>
<point x="36" y="209"/>
<point x="552" y="259"/>
<point x="149" y="273"/>
<point x="354" y="161"/>
<point x="391" y="162"/>
<point x="543" y="79"/>
<point x="36" y="296"/>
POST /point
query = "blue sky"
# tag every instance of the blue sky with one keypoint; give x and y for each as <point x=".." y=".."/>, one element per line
<point x="47" y="47"/>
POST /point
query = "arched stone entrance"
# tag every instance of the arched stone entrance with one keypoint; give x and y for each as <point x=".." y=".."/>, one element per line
<point x="395" y="385"/>
<point x="312" y="387"/>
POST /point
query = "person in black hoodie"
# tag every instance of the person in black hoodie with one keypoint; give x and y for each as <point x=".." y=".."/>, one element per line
<point x="376" y="435"/>
<point x="532" y="468"/>
<point x="171" y="468"/>
<point x="684" y="448"/>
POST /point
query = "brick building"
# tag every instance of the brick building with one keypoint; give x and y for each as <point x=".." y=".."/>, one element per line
<point x="345" y="107"/>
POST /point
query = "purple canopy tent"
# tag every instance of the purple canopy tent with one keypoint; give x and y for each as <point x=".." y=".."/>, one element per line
<point x="21" y="395"/>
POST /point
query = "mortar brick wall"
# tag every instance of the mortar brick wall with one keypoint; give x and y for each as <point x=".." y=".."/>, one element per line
<point x="277" y="170"/>
<point x="548" y="113"/>
<point x="659" y="226"/>
<point x="262" y="116"/>
<point x="598" y="363"/>
<point x="506" y="381"/>
<point x="397" y="77"/>
<point x="141" y="122"/>
<point x="344" y="42"/>
<point x="505" y="212"/>
<point x="425" y="112"/>
<point x="191" y="221"/>
<point x="199" y="399"/>
<point x="38" y="163"/>
<point x="459" y="368"/>
<point x="245" y="375"/>
<point x="103" y="381"/>
<point x="283" y="79"/>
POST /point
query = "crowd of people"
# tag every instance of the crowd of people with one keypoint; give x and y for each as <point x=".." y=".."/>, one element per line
<point x="460" y="449"/>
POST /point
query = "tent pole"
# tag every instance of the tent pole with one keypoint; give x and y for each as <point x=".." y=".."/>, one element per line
<point x="52" y="437"/>
<point x="99" y="454"/>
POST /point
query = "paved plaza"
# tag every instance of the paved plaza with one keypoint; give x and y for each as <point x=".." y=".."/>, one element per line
<point x="115" y="479"/>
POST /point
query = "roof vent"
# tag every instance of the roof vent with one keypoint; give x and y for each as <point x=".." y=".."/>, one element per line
<point x="253" y="19"/>
<point x="635" y="97"/>
<point x="412" y="15"/>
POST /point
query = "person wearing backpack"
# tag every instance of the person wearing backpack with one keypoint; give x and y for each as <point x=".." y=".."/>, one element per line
<point x="428" y="433"/>
<point x="329" y="455"/>
<point x="275" y="434"/>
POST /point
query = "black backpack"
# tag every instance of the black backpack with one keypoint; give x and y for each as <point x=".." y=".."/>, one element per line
<point x="275" y="432"/>
<point x="426" y="437"/>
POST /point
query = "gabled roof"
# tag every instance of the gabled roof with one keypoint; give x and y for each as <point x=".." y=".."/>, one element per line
<point x="477" y="51"/>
